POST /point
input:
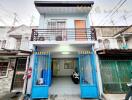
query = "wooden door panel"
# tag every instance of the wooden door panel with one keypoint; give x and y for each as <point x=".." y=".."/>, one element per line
<point x="80" y="32"/>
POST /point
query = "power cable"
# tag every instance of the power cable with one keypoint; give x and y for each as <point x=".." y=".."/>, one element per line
<point x="116" y="10"/>
<point x="110" y="12"/>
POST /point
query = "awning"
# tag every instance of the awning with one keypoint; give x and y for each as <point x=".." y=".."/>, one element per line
<point x="63" y="7"/>
<point x="15" y="53"/>
<point x="114" y="52"/>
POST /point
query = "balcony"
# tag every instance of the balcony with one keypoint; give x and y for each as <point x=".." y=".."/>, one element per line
<point x="69" y="34"/>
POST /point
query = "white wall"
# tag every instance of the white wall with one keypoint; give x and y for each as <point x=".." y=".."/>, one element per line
<point x="99" y="79"/>
<point x="62" y="48"/>
<point x="129" y="43"/>
<point x="6" y="81"/>
<point x="11" y="43"/>
<point x="68" y="18"/>
<point x="3" y="32"/>
<point x="113" y="43"/>
<point x="25" y="43"/>
<point x="29" y="83"/>
<point x="59" y="70"/>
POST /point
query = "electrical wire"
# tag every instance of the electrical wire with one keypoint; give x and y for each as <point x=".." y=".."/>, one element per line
<point x="116" y="10"/>
<point x="103" y="19"/>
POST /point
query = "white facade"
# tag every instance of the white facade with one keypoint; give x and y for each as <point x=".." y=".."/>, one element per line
<point x="16" y="38"/>
<point x="68" y="18"/>
<point x="56" y="48"/>
<point x="107" y="43"/>
<point x="129" y="43"/>
<point x="108" y="40"/>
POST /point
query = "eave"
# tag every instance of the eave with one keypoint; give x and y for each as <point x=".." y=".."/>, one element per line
<point x="15" y="53"/>
<point x="63" y="7"/>
<point x="63" y="3"/>
<point x="114" y="52"/>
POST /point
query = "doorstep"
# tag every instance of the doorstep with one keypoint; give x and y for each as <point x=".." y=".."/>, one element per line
<point x="66" y="97"/>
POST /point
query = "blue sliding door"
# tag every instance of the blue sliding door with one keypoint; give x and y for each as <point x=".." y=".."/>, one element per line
<point x="88" y="80"/>
<point x="41" y="75"/>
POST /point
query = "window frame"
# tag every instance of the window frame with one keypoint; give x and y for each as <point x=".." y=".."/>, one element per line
<point x="7" y="71"/>
<point x="3" y="44"/>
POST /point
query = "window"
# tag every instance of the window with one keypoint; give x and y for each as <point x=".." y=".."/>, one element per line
<point x="18" y="43"/>
<point x="3" y="44"/>
<point x="3" y="68"/>
<point x="58" y="27"/>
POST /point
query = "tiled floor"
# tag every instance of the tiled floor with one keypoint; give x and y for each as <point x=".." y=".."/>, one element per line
<point x="73" y="97"/>
<point x="64" y="86"/>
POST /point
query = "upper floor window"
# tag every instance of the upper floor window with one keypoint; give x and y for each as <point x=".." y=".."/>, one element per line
<point x="60" y="33"/>
<point x="18" y="43"/>
<point x="3" y="44"/>
<point x="56" y="24"/>
<point x="3" y="68"/>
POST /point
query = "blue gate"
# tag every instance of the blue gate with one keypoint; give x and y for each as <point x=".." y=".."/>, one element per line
<point x="41" y="75"/>
<point x="88" y="80"/>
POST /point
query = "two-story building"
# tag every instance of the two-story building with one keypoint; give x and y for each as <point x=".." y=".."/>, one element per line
<point x="115" y="57"/>
<point x="14" y="57"/>
<point x="63" y="43"/>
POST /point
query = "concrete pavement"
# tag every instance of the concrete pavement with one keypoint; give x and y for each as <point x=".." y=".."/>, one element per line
<point x="12" y="96"/>
<point x="114" y="96"/>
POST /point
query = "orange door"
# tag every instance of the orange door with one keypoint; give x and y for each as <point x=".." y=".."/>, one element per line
<point x="80" y="30"/>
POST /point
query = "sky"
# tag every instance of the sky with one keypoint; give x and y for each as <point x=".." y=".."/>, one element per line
<point x="104" y="12"/>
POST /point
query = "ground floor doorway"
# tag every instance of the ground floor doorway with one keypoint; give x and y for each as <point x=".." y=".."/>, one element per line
<point x="115" y="73"/>
<point x="62" y="83"/>
<point x="19" y="71"/>
<point x="64" y="86"/>
<point x="52" y="75"/>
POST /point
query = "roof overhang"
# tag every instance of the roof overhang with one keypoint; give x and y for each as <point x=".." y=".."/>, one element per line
<point x="15" y="53"/>
<point x="64" y="7"/>
<point x="114" y="52"/>
<point x="123" y="32"/>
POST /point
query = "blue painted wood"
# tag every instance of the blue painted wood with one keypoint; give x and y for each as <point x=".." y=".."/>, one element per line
<point x="41" y="91"/>
<point x="88" y="90"/>
<point x="94" y="66"/>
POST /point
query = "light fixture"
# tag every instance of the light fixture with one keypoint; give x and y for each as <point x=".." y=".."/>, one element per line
<point x="64" y="48"/>
<point x="65" y="53"/>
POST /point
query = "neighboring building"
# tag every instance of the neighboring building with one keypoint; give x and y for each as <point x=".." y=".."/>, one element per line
<point x="63" y="43"/>
<point x="115" y="57"/>
<point x="14" y="57"/>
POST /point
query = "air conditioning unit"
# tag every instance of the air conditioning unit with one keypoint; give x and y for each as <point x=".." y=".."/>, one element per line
<point x="58" y="38"/>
